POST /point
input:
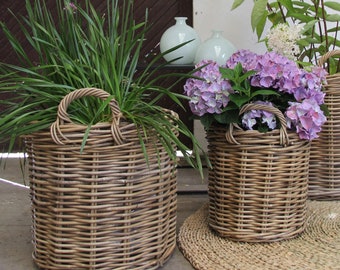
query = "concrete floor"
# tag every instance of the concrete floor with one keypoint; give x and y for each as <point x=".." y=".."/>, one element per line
<point x="15" y="219"/>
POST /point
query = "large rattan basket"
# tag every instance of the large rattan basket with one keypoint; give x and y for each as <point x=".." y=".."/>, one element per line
<point x="104" y="207"/>
<point x="324" y="178"/>
<point x="258" y="182"/>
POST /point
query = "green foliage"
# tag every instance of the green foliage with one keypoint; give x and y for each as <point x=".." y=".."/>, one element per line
<point x="320" y="19"/>
<point x="78" y="48"/>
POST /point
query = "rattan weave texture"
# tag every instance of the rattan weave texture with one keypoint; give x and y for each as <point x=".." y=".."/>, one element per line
<point x="324" y="179"/>
<point x="258" y="182"/>
<point x="105" y="207"/>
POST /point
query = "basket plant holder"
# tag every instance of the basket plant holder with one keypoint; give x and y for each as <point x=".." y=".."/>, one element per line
<point x="324" y="179"/>
<point x="258" y="181"/>
<point x="104" y="207"/>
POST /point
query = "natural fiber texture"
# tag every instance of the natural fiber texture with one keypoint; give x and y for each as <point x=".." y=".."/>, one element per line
<point x="104" y="207"/>
<point x="324" y="179"/>
<point x="258" y="182"/>
<point x="317" y="248"/>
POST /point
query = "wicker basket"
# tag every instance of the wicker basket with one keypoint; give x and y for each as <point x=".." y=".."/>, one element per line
<point x="104" y="208"/>
<point x="257" y="184"/>
<point x="324" y="176"/>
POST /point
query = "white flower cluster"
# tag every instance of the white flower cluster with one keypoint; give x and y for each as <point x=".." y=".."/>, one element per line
<point x="282" y="39"/>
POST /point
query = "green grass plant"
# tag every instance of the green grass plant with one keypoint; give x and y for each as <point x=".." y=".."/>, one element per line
<point x="78" y="48"/>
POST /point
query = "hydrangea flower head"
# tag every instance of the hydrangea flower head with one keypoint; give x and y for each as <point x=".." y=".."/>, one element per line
<point x="209" y="94"/>
<point x="250" y="118"/>
<point x="306" y="117"/>
<point x="248" y="59"/>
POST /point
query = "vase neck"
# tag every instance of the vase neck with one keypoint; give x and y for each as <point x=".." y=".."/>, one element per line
<point x="181" y="20"/>
<point x="216" y="33"/>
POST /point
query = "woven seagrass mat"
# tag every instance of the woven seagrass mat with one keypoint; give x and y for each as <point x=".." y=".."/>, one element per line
<point x="317" y="248"/>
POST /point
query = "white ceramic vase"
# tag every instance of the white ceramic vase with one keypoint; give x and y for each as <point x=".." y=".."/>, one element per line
<point x="216" y="48"/>
<point x="176" y="35"/>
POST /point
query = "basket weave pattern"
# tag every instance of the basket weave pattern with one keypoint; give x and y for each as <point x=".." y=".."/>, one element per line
<point x="103" y="208"/>
<point x="258" y="183"/>
<point x="324" y="179"/>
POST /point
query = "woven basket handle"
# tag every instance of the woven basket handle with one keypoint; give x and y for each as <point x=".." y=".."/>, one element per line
<point x="284" y="140"/>
<point x="326" y="56"/>
<point x="63" y="117"/>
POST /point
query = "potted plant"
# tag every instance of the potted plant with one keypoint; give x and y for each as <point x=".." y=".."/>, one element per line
<point x="70" y="57"/>
<point x="102" y="153"/>
<point x="260" y="112"/>
<point x="309" y="32"/>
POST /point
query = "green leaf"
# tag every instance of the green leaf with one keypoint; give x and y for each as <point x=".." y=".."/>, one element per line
<point x="333" y="18"/>
<point x="333" y="65"/>
<point x="299" y="16"/>
<point x="332" y="5"/>
<point x="262" y="129"/>
<point x="258" y="11"/>
<point x="207" y="120"/>
<point x="247" y="74"/>
<point x="227" y="73"/>
<point x="239" y="100"/>
<point x="236" y="3"/>
<point x="227" y="117"/>
<point x="275" y="18"/>
<point x="303" y="42"/>
<point x="261" y="24"/>
<point x="303" y="5"/>
<point x="309" y="40"/>
<point x="308" y="26"/>
<point x="264" y="92"/>
<point x="238" y="69"/>
<point x="241" y="90"/>
<point x="333" y="30"/>
<point x="287" y="3"/>
<point x="325" y="109"/>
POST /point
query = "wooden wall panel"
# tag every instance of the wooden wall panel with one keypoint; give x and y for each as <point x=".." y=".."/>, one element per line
<point x="161" y="16"/>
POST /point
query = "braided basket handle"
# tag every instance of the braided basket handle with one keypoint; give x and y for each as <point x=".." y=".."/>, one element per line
<point x="63" y="117"/>
<point x="326" y="56"/>
<point x="284" y="140"/>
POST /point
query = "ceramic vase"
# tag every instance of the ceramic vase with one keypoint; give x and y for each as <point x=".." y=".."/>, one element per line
<point x="176" y="35"/>
<point x="216" y="48"/>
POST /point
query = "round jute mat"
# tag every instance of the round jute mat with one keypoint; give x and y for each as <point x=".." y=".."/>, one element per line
<point x="317" y="248"/>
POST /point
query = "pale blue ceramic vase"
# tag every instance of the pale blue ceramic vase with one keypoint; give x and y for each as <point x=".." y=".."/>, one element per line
<point x="178" y="34"/>
<point x="216" y="48"/>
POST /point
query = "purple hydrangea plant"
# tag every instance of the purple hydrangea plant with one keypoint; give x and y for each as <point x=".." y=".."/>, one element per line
<point x="295" y="91"/>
